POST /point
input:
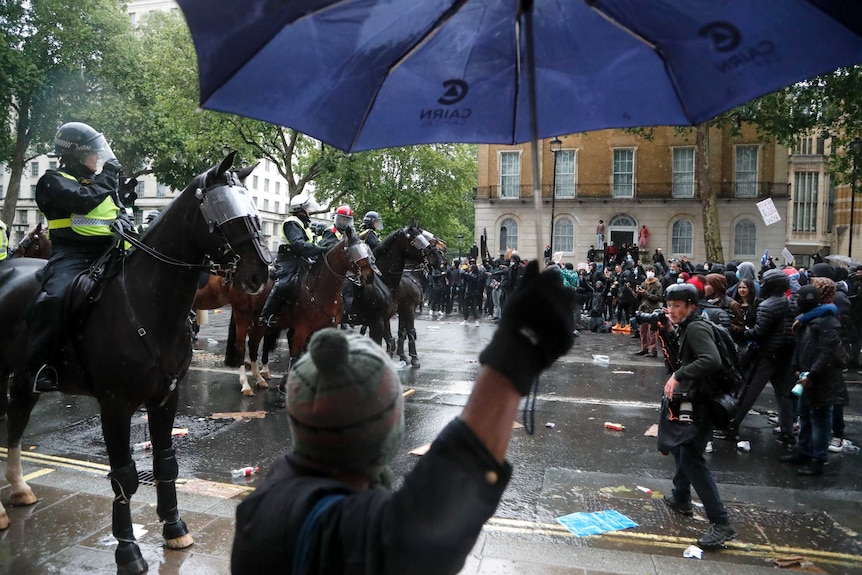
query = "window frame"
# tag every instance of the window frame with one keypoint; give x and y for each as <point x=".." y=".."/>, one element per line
<point x="675" y="239"/>
<point x="683" y="179"/>
<point x="511" y="181"/>
<point x="619" y="184"/>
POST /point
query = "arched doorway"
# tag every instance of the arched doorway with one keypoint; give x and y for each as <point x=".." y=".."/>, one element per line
<point x="623" y="229"/>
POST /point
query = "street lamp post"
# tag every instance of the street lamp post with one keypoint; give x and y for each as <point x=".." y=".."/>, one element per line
<point x="855" y="150"/>
<point x="555" y="145"/>
<point x="460" y="245"/>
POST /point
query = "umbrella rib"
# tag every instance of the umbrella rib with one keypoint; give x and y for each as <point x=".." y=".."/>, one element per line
<point x="655" y="47"/>
<point x="429" y="33"/>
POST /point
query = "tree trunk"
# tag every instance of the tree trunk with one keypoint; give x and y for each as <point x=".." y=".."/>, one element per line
<point x="708" y="199"/>
<point x="16" y="169"/>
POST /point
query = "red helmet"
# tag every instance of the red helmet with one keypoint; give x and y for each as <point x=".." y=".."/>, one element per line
<point x="343" y="218"/>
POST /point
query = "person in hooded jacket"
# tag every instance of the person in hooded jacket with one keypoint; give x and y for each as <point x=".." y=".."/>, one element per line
<point x="773" y="342"/>
<point x="817" y="367"/>
<point x="651" y="295"/>
<point x="715" y="288"/>
<point x="745" y="270"/>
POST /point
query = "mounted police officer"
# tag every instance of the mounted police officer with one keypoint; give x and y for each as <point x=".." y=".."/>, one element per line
<point x="80" y="201"/>
<point x="371" y="224"/>
<point x="343" y="220"/>
<point x="4" y="242"/>
<point x="297" y="246"/>
<point x="151" y="215"/>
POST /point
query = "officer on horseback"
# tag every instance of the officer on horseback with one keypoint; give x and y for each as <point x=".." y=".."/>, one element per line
<point x="371" y="224"/>
<point x="80" y="201"/>
<point x="4" y="242"/>
<point x="333" y="234"/>
<point x="151" y="215"/>
<point x="297" y="246"/>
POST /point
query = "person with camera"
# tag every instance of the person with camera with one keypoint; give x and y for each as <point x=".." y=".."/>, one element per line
<point x="651" y="294"/>
<point x="698" y="361"/>
<point x="325" y="506"/>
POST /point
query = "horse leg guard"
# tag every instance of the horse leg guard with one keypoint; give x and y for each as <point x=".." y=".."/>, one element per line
<point x="124" y="482"/>
<point x="411" y="346"/>
<point x="165" y="471"/>
<point x="402" y="335"/>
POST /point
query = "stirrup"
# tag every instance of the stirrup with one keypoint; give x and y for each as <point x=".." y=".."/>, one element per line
<point x="45" y="379"/>
<point x="270" y="320"/>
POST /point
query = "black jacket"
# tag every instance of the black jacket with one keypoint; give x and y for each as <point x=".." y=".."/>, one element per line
<point x="771" y="331"/>
<point x="815" y="353"/>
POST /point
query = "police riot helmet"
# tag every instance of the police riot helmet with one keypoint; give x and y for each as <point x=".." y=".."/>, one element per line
<point x="373" y="220"/>
<point x="77" y="141"/>
<point x="303" y="202"/>
<point x="682" y="292"/>
<point x="343" y="218"/>
<point x="151" y="215"/>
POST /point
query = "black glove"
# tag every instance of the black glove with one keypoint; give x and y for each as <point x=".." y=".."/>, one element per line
<point x="536" y="328"/>
<point x="113" y="167"/>
<point x="124" y="222"/>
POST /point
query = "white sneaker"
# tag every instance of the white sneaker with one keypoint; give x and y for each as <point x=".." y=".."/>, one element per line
<point x="708" y="448"/>
<point x="464" y="322"/>
<point x="476" y="324"/>
<point x="836" y="445"/>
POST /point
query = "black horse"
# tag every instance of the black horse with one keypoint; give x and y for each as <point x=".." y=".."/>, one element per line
<point x="374" y="305"/>
<point x="133" y="346"/>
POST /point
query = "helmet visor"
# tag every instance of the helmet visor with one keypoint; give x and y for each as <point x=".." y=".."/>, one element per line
<point x="95" y="153"/>
<point x="342" y="222"/>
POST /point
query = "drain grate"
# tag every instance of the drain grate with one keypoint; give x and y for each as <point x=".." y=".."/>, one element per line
<point x="146" y="478"/>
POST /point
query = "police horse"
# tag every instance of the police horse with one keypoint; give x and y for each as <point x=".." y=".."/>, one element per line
<point x="34" y="245"/>
<point x="316" y="303"/>
<point x="133" y="345"/>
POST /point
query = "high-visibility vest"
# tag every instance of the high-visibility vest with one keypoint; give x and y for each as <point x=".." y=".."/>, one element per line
<point x="309" y="235"/>
<point x="97" y="222"/>
<point x="4" y="242"/>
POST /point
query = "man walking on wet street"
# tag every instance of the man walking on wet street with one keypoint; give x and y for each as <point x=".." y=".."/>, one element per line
<point x="699" y="359"/>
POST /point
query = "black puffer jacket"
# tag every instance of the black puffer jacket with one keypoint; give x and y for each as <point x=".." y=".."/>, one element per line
<point x="816" y="353"/>
<point x="771" y="331"/>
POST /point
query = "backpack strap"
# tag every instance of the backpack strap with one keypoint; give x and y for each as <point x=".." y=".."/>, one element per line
<point x="306" y="538"/>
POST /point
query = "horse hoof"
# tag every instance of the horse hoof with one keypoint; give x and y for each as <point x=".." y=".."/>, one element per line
<point x="262" y="383"/>
<point x="4" y="521"/>
<point x="180" y="542"/>
<point x="247" y="391"/>
<point x="129" y="559"/>
<point x="415" y="362"/>
<point x="266" y="374"/>
<point x="23" y="498"/>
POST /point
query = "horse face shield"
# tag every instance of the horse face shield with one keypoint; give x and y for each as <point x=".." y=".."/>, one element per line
<point x="359" y="252"/>
<point x="230" y="202"/>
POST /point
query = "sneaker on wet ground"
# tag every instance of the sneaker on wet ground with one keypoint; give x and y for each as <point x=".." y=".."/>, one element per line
<point x="836" y="445"/>
<point x="681" y="507"/>
<point x="785" y="439"/>
<point x="717" y="535"/>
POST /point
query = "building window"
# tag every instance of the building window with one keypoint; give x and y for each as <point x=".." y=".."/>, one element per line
<point x="277" y="207"/>
<point x="266" y="165"/>
<point x="254" y="200"/>
<point x="746" y="171"/>
<point x="682" y="237"/>
<point x="161" y="190"/>
<point x="34" y="169"/>
<point x="508" y="235"/>
<point x="266" y="185"/>
<point x="277" y="188"/>
<point x="21" y="218"/>
<point x="624" y="173"/>
<point x="2" y="193"/>
<point x="139" y="189"/>
<point x="830" y="209"/>
<point x="745" y="238"/>
<point x="805" y="201"/>
<point x="566" y="176"/>
<point x="265" y="205"/>
<point x="254" y="182"/>
<point x="33" y="190"/>
<point x="683" y="172"/>
<point x="510" y="175"/>
<point x="564" y="236"/>
<point x="52" y="165"/>
<point x="133" y="18"/>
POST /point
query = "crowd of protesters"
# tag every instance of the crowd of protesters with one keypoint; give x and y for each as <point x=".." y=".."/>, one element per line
<point x="758" y="305"/>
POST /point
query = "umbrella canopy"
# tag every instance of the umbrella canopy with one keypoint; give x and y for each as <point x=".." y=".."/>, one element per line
<point x="842" y="260"/>
<point x="364" y="74"/>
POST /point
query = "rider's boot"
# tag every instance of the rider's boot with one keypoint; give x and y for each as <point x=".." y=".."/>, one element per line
<point x="274" y="302"/>
<point x="42" y="343"/>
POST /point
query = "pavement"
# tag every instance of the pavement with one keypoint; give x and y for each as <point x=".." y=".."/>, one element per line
<point x="68" y="529"/>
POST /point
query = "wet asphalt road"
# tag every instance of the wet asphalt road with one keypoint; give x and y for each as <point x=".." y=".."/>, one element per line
<point x="571" y="463"/>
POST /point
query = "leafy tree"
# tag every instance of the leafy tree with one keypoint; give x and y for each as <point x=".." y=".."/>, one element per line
<point x="431" y="184"/>
<point x="49" y="61"/>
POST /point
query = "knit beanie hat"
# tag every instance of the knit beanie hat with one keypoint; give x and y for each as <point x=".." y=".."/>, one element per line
<point x="821" y="270"/>
<point x="826" y="287"/>
<point x="345" y="403"/>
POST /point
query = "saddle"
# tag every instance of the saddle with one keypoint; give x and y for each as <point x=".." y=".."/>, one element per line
<point x="88" y="286"/>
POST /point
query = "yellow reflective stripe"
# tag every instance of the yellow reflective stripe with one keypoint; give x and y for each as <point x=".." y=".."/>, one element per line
<point x="69" y="176"/>
<point x="61" y="223"/>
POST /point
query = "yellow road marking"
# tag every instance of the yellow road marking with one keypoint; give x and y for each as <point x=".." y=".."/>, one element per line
<point x="39" y="473"/>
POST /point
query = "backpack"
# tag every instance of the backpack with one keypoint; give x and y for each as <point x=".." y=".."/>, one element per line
<point x="730" y="379"/>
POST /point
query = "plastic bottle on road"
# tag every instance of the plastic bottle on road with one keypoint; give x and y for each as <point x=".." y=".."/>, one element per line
<point x="244" y="471"/>
<point x="143" y="446"/>
<point x="850" y="447"/>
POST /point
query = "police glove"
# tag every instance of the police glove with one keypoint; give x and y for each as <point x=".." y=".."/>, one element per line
<point x="124" y="223"/>
<point x="537" y="327"/>
<point x="113" y="167"/>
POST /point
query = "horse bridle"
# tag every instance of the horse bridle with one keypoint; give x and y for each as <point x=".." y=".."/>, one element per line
<point x="355" y="254"/>
<point x="219" y="205"/>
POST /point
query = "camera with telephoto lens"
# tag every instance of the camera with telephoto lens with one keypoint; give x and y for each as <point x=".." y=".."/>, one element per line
<point x="653" y="318"/>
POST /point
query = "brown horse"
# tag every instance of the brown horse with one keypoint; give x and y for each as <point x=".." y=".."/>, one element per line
<point x="317" y="305"/>
<point x="139" y="328"/>
<point x="34" y="245"/>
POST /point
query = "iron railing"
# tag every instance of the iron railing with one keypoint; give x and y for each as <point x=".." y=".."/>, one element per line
<point x="661" y="191"/>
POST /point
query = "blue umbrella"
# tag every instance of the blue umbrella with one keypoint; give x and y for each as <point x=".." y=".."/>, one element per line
<point x="364" y="74"/>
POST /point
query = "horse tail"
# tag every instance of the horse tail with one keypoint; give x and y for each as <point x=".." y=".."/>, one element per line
<point x="231" y="352"/>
